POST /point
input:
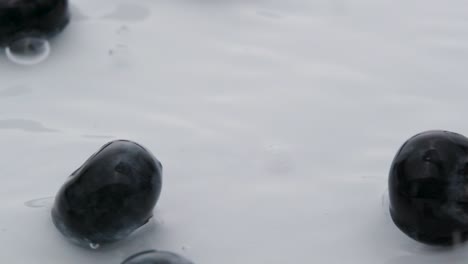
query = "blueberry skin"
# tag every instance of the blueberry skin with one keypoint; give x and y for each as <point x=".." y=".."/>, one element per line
<point x="111" y="195"/>
<point x="22" y="18"/>
<point x="428" y="188"/>
<point x="156" y="257"/>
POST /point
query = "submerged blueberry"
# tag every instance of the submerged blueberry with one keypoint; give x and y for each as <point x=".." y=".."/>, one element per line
<point x="428" y="188"/>
<point x="110" y="195"/>
<point x="156" y="257"/>
<point x="23" y="18"/>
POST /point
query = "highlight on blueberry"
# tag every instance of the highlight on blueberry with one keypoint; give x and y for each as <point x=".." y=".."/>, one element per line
<point x="23" y="18"/>
<point x="428" y="188"/>
<point x="156" y="257"/>
<point x="111" y="195"/>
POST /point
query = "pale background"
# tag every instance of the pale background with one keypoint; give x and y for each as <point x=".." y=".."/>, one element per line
<point x="276" y="122"/>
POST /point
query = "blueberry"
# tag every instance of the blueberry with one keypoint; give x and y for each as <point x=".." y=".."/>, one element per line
<point x="111" y="195"/>
<point x="428" y="188"/>
<point x="156" y="257"/>
<point x="23" y="18"/>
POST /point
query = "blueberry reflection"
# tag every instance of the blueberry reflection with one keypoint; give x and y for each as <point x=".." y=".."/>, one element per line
<point x="156" y="257"/>
<point x="28" y="50"/>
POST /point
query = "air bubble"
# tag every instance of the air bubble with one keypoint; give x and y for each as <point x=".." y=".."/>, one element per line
<point x="28" y="50"/>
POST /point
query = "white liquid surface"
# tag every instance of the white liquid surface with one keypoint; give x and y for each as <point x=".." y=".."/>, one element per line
<point x="276" y="123"/>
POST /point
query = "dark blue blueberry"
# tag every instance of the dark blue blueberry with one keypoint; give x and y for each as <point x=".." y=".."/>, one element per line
<point x="428" y="188"/>
<point x="111" y="195"/>
<point x="156" y="257"/>
<point x="25" y="18"/>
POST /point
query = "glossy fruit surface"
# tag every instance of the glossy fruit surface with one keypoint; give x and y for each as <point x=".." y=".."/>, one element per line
<point x="428" y="188"/>
<point x="111" y="195"/>
<point x="23" y="18"/>
<point x="156" y="257"/>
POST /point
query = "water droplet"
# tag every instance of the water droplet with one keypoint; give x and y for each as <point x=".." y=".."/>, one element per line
<point x="94" y="245"/>
<point x="28" y="50"/>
